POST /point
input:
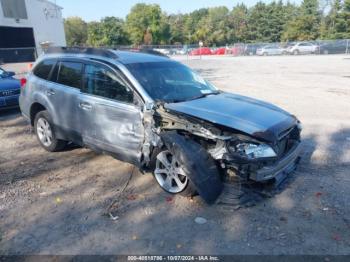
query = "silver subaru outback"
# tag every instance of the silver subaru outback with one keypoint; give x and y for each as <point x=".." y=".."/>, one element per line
<point x="159" y="115"/>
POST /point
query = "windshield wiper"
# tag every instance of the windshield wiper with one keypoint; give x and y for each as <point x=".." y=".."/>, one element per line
<point x="192" y="98"/>
<point x="203" y="95"/>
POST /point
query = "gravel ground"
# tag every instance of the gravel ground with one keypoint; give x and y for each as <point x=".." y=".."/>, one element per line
<point x="56" y="203"/>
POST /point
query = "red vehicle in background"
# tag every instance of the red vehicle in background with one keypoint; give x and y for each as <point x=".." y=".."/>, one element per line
<point x="237" y="49"/>
<point x="201" y="51"/>
<point x="221" y="51"/>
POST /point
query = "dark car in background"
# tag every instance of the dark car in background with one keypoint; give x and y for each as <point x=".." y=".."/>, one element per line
<point x="10" y="89"/>
<point x="335" y="47"/>
<point x="250" y="49"/>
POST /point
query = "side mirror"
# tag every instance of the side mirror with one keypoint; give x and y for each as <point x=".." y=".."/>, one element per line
<point x="10" y="74"/>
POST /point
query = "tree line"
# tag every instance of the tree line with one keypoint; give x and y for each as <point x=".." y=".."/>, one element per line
<point x="278" y="21"/>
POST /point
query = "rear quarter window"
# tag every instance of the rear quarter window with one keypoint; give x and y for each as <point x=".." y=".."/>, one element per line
<point x="43" y="69"/>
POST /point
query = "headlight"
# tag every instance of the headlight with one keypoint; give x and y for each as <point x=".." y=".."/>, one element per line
<point x="300" y="126"/>
<point x="253" y="150"/>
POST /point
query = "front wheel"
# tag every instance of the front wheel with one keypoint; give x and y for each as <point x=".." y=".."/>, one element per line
<point x="171" y="175"/>
<point x="46" y="134"/>
<point x="296" y="52"/>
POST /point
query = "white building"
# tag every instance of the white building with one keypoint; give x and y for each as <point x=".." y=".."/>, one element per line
<point x="30" y="23"/>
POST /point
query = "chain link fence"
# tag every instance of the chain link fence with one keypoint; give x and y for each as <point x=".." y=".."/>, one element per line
<point x="324" y="47"/>
<point x="319" y="47"/>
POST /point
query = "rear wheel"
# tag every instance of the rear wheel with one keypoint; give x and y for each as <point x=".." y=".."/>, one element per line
<point x="296" y="52"/>
<point x="45" y="133"/>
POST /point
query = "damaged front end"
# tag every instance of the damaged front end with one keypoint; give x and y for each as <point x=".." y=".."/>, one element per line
<point x="235" y="153"/>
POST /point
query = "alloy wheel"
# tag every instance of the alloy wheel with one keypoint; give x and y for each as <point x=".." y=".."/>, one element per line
<point x="169" y="173"/>
<point x="44" y="132"/>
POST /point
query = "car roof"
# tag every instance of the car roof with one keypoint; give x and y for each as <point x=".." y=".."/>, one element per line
<point x="127" y="57"/>
<point x="123" y="57"/>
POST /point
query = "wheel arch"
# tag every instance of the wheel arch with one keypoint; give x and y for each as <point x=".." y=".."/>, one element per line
<point x="34" y="110"/>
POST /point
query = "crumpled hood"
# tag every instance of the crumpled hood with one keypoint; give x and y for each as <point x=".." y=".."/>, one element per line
<point x="256" y="118"/>
<point x="9" y="84"/>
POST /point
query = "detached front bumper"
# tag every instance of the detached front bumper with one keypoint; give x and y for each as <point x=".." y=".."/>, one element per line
<point x="285" y="166"/>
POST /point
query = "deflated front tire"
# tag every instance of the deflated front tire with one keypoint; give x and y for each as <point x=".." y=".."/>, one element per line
<point x="192" y="164"/>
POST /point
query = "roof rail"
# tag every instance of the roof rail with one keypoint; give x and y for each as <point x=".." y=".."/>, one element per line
<point x="82" y="50"/>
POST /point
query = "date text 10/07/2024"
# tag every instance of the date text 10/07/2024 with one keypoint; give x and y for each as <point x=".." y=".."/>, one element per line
<point x="173" y="258"/>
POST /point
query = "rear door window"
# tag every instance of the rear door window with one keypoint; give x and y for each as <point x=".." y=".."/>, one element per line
<point x="70" y="74"/>
<point x="43" y="69"/>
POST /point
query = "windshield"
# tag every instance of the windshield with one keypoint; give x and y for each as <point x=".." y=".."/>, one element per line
<point x="170" y="81"/>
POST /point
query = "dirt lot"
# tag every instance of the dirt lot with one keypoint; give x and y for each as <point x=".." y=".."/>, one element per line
<point x="56" y="203"/>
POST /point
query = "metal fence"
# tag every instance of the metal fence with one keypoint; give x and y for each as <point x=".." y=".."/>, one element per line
<point x="319" y="47"/>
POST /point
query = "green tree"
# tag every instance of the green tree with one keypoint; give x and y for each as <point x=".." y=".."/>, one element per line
<point x="192" y="24"/>
<point x="76" y="31"/>
<point x="338" y="20"/>
<point x="332" y="20"/>
<point x="143" y="17"/>
<point x="306" y="25"/>
<point x="216" y="23"/>
<point x="177" y="28"/>
<point x="238" y="24"/>
<point x="267" y="22"/>
<point x="346" y="16"/>
<point x="110" y="31"/>
<point x="258" y="23"/>
<point x="273" y="22"/>
<point x="277" y="21"/>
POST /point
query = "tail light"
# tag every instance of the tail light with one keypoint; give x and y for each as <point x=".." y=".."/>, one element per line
<point x="23" y="82"/>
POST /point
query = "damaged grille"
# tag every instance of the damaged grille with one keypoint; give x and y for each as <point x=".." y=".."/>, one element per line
<point x="288" y="139"/>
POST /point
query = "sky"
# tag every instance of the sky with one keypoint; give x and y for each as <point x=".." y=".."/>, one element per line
<point x="91" y="10"/>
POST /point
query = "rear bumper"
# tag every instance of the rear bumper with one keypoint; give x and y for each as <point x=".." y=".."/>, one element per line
<point x="285" y="166"/>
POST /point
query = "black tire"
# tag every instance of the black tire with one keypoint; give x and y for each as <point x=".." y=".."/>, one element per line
<point x="265" y="54"/>
<point x="56" y="144"/>
<point x="198" y="165"/>
<point x="296" y="52"/>
<point x="189" y="190"/>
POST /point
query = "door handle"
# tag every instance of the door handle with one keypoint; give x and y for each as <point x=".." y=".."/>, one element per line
<point x="50" y="92"/>
<point x="85" y="106"/>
